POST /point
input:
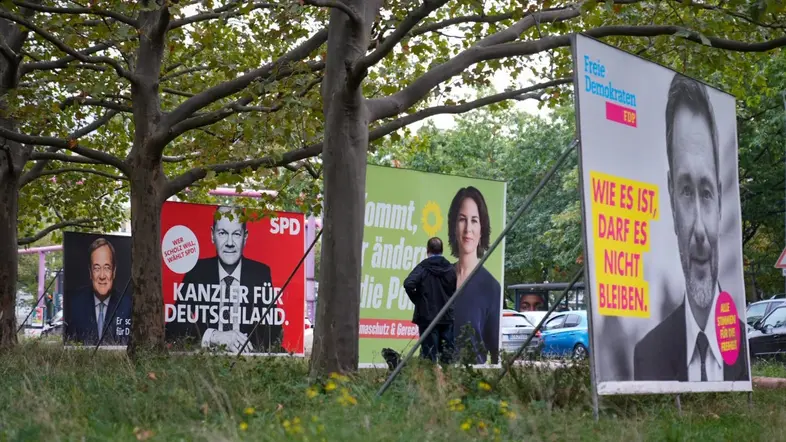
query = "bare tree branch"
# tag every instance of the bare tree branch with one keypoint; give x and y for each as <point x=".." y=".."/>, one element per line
<point x="225" y="11"/>
<point x="431" y="27"/>
<point x="184" y="72"/>
<point x="63" y="62"/>
<point x="518" y="94"/>
<point x="180" y="158"/>
<point x="179" y="183"/>
<point x="403" y="99"/>
<point x="42" y="161"/>
<point x="360" y="70"/>
<point x="169" y="90"/>
<point x="72" y="145"/>
<point x="186" y="179"/>
<point x="337" y="4"/>
<point x="227" y="88"/>
<point x="82" y="222"/>
<point x="54" y="156"/>
<point x="81" y="170"/>
<point x="70" y="101"/>
<point x="46" y="35"/>
<point x="238" y="106"/>
<point x="77" y="11"/>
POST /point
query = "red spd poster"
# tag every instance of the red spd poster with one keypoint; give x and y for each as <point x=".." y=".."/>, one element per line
<point x="221" y="276"/>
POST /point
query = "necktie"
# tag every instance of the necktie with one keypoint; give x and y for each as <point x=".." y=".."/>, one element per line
<point x="228" y="280"/>
<point x="100" y="319"/>
<point x="702" y="343"/>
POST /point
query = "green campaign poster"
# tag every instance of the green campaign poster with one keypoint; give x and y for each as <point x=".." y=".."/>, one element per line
<point x="404" y="208"/>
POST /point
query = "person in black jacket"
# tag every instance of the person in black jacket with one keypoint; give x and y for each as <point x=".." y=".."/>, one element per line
<point x="429" y="287"/>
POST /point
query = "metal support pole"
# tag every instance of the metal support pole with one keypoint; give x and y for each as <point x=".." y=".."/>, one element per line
<point x="783" y="95"/>
<point x="750" y="400"/>
<point x="679" y="404"/>
<point x="22" y="325"/>
<point x="527" y="203"/>
<point x="108" y="322"/>
<point x="512" y="360"/>
<point x="273" y="304"/>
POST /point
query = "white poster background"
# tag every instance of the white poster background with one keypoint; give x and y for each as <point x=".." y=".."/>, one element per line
<point x="639" y="153"/>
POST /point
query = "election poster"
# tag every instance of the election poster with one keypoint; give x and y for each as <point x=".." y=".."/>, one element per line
<point x="97" y="293"/>
<point x="223" y="268"/>
<point x="662" y="226"/>
<point x="403" y="210"/>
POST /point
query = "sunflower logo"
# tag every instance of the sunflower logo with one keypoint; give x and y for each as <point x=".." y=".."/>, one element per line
<point x="431" y="210"/>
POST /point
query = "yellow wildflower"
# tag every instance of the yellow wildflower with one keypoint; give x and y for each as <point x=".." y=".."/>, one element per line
<point x="320" y="428"/>
<point x="243" y="426"/>
<point x="481" y="425"/>
<point x="496" y="431"/>
<point x="296" y="420"/>
<point x="314" y="418"/>
<point x="311" y="393"/>
<point x="503" y="404"/>
<point x="286" y="423"/>
<point x="339" y="377"/>
<point x="466" y="425"/>
<point x="511" y="415"/>
<point x="249" y="411"/>
<point x="484" y="386"/>
<point x="330" y="386"/>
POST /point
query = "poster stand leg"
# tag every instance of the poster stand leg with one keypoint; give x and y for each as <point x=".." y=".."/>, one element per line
<point x="512" y="222"/>
<point x="679" y="404"/>
<point x="273" y="304"/>
<point x="750" y="401"/>
<point x="108" y="322"/>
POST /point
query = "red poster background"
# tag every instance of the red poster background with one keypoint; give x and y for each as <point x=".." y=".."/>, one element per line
<point x="281" y="252"/>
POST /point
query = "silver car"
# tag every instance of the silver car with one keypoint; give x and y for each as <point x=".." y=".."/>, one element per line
<point x="516" y="328"/>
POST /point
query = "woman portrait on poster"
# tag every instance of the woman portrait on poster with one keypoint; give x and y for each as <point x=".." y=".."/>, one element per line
<point x="469" y="230"/>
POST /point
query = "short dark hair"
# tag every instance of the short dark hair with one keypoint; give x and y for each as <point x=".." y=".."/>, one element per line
<point x="483" y="212"/>
<point x="97" y="244"/>
<point x="689" y="93"/>
<point x="216" y="216"/>
<point x="434" y="246"/>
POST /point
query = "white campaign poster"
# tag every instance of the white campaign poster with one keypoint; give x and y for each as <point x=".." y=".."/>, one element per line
<point x="662" y="222"/>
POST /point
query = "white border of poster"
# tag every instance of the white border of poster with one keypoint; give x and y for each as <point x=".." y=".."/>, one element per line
<point x="654" y="274"/>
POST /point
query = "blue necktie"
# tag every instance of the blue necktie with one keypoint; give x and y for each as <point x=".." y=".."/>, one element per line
<point x="100" y="319"/>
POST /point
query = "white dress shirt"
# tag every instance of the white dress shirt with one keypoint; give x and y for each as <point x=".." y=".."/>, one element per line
<point x="232" y="295"/>
<point x="98" y="303"/>
<point x="713" y="360"/>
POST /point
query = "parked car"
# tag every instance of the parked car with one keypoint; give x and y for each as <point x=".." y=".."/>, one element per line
<point x="760" y="309"/>
<point x="55" y="326"/>
<point x="767" y="340"/>
<point x="565" y="335"/>
<point x="515" y="330"/>
<point x="534" y="317"/>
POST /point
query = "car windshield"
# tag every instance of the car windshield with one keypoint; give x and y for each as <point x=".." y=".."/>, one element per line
<point x="776" y="319"/>
<point x="756" y="310"/>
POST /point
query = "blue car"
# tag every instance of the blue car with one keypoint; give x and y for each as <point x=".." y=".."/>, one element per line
<point x="565" y="335"/>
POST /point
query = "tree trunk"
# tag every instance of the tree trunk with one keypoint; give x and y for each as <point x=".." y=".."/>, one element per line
<point x="147" y="317"/>
<point x="344" y="160"/>
<point x="9" y="199"/>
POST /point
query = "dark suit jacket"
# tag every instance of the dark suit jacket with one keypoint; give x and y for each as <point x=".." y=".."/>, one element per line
<point x="662" y="355"/>
<point x="252" y="274"/>
<point x="81" y="322"/>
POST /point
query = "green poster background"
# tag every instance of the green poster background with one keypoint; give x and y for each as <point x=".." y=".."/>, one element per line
<point x="412" y="206"/>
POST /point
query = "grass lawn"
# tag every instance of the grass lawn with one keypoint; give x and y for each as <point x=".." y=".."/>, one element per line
<point x="53" y="394"/>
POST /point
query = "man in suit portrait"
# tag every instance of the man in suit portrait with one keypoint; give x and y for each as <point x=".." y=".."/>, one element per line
<point x="236" y="285"/>
<point x="90" y="308"/>
<point x="684" y="346"/>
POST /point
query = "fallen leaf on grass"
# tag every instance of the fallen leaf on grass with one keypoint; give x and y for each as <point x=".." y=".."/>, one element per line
<point x="152" y="376"/>
<point x="279" y="407"/>
<point x="714" y="416"/>
<point x="204" y="409"/>
<point x="142" y="434"/>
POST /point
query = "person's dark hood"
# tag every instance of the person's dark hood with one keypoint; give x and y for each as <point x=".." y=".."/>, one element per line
<point x="437" y="265"/>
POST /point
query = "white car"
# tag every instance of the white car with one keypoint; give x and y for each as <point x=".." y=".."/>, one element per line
<point x="516" y="328"/>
